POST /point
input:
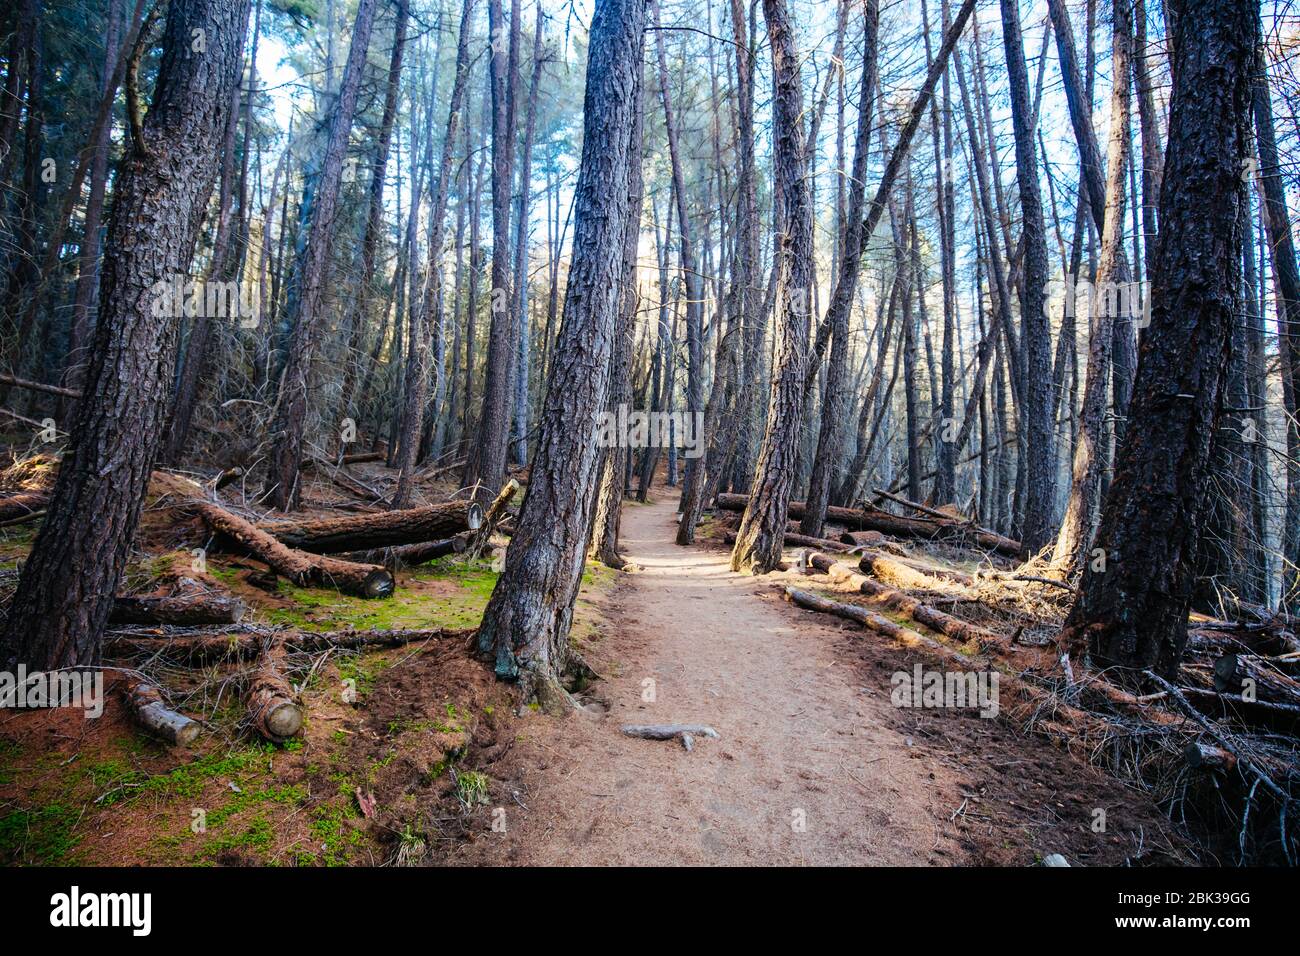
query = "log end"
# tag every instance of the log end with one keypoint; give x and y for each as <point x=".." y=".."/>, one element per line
<point x="379" y="583"/>
<point x="282" y="721"/>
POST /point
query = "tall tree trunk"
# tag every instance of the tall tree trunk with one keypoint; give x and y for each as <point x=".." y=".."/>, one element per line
<point x="690" y="270"/>
<point x="762" y="528"/>
<point x="523" y="354"/>
<point x="613" y="470"/>
<point x="306" y="319"/>
<point x="88" y="254"/>
<point x="417" y="383"/>
<point x="65" y="592"/>
<point x="364" y="301"/>
<point x="1286" y="277"/>
<point x="1076" y="532"/>
<point x="486" y="466"/>
<point x="1037" y="413"/>
<point x="1132" y="611"/>
<point x="830" y="437"/>
<point x="526" y="623"/>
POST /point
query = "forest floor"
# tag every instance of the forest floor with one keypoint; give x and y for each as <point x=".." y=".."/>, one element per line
<point x="813" y="765"/>
<point x="430" y="763"/>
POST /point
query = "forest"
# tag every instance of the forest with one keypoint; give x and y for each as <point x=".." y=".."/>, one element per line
<point x="620" y="432"/>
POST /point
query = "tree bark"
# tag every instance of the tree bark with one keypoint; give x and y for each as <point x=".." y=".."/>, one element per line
<point x="1133" y="613"/>
<point x="1037" y="413"/>
<point x="65" y="594"/>
<point x="526" y="624"/>
<point x="758" y="541"/>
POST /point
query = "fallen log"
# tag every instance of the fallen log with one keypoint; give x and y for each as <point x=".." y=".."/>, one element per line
<point x="945" y="517"/>
<point x="187" y="609"/>
<point x="874" y="519"/>
<point x="149" y="709"/>
<point x="684" y="732"/>
<point x="1054" y="718"/>
<point x="185" y="646"/>
<point x="227" y="476"/>
<point x="361" y="457"/>
<point x="22" y="505"/>
<point x="908" y="606"/>
<point x="794" y="540"/>
<point x="1199" y="756"/>
<point x="303" y="569"/>
<point x="1232" y="671"/>
<point x="270" y="698"/>
<point x="905" y="574"/>
<point x="385" y="529"/>
<point x="409" y="555"/>
<point x="343" y="479"/>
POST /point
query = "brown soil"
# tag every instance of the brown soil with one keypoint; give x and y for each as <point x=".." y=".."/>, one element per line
<point x="808" y="736"/>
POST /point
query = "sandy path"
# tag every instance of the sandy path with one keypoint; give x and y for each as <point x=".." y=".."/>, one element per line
<point x="800" y="743"/>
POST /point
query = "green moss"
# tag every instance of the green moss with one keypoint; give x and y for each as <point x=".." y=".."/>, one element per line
<point x="41" y="835"/>
<point x="333" y="835"/>
<point x="9" y="751"/>
<point x="409" y="607"/>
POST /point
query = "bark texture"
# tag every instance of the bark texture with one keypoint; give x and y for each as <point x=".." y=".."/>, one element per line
<point x="66" y="590"/>
<point x="1132" y="613"/>
<point x="526" y="624"/>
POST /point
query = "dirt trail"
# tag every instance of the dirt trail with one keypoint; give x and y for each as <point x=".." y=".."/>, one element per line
<point x="801" y="741"/>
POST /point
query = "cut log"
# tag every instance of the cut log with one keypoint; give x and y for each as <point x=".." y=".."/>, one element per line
<point x="895" y="600"/>
<point x="22" y="505"/>
<point x="188" y="609"/>
<point x="383" y="530"/>
<point x="874" y="519"/>
<point x="226" y="477"/>
<point x="862" y="539"/>
<point x="150" y="711"/>
<point x="409" y="555"/>
<point x="303" y="569"/>
<point x="270" y="698"/>
<point x="1232" y="671"/>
